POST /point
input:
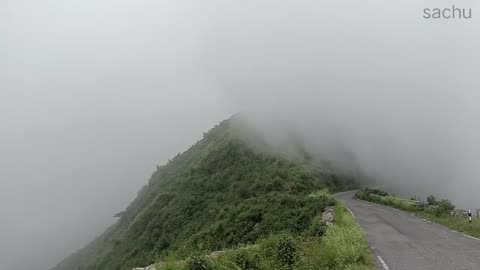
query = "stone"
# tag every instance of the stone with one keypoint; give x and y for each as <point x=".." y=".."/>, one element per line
<point x="151" y="267"/>
<point x="328" y="215"/>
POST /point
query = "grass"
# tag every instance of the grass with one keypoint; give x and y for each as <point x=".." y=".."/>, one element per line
<point x="457" y="223"/>
<point x="400" y="203"/>
<point x="342" y="247"/>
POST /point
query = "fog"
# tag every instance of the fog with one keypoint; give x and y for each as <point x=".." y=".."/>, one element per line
<point x="94" y="94"/>
<point x="393" y="92"/>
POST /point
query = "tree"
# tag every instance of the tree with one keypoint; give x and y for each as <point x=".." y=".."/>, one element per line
<point x="444" y="207"/>
<point x="431" y="200"/>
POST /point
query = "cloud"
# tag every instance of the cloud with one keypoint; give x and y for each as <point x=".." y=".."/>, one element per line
<point x="392" y="90"/>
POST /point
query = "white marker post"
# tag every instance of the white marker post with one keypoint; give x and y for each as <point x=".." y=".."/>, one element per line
<point x="469" y="216"/>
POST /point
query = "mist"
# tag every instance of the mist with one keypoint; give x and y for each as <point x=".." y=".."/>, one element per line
<point x="387" y="92"/>
<point x="94" y="94"/>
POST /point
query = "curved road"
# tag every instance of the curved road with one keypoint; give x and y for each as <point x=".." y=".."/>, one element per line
<point x="401" y="241"/>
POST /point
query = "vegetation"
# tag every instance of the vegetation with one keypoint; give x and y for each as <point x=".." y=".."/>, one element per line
<point x="382" y="197"/>
<point x="342" y="247"/>
<point x="374" y="191"/>
<point x="199" y="263"/>
<point x="441" y="211"/>
<point x="224" y="195"/>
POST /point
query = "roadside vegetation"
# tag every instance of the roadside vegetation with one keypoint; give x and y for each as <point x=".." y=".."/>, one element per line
<point x="441" y="211"/>
<point x="341" y="246"/>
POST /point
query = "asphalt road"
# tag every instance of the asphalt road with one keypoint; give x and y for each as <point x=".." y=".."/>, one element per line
<point x="401" y="241"/>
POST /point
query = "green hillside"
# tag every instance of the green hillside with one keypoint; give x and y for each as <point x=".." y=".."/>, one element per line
<point x="220" y="194"/>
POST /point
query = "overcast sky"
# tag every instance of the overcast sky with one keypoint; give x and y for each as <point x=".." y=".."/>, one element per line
<point x="95" y="93"/>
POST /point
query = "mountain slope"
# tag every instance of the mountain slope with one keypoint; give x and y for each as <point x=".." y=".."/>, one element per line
<point x="220" y="193"/>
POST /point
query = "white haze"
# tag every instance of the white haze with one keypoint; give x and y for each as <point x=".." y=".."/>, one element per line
<point x="376" y="83"/>
<point x="93" y="94"/>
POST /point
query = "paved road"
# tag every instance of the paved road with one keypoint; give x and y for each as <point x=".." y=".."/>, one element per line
<point x="400" y="241"/>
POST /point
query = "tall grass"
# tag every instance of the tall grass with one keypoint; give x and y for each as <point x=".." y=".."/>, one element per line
<point x="344" y="245"/>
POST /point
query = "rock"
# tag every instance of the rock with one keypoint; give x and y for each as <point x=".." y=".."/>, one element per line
<point x="217" y="254"/>
<point x="327" y="216"/>
<point x="151" y="267"/>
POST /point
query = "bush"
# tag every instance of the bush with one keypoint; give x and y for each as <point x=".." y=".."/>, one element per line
<point x="199" y="263"/>
<point x="247" y="259"/>
<point x="444" y="207"/>
<point x="287" y="251"/>
<point x="431" y="200"/>
<point x="318" y="227"/>
<point x="371" y="194"/>
<point x="376" y="191"/>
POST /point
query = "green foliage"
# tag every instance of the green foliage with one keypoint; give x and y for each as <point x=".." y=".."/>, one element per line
<point x="318" y="227"/>
<point x="434" y="206"/>
<point x="431" y="200"/>
<point x="287" y="251"/>
<point x="247" y="260"/>
<point x="401" y="203"/>
<point x="219" y="194"/>
<point x="375" y="191"/>
<point x="199" y="263"/>
<point x="444" y="207"/>
<point x="457" y="223"/>
<point x="344" y="245"/>
<point x="437" y="211"/>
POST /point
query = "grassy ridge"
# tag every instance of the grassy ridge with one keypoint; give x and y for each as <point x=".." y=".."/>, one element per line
<point x="439" y="213"/>
<point x="220" y="194"/>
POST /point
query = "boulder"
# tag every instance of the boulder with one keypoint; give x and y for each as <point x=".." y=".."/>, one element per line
<point x="327" y="216"/>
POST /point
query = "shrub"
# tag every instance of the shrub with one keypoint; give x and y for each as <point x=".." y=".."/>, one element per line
<point x="376" y="191"/>
<point x="247" y="259"/>
<point x="371" y="194"/>
<point x="318" y="227"/>
<point x="444" y="207"/>
<point x="199" y="263"/>
<point x="431" y="200"/>
<point x="287" y="251"/>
